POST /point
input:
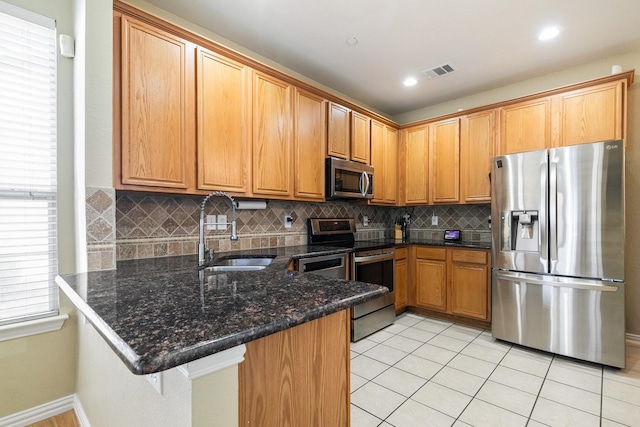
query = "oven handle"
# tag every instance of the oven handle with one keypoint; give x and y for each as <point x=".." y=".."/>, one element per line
<point x="373" y="258"/>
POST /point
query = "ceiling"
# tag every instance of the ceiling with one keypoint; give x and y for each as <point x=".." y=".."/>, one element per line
<point x="490" y="43"/>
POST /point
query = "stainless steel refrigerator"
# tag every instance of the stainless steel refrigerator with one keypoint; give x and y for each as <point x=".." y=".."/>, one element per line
<point x="558" y="250"/>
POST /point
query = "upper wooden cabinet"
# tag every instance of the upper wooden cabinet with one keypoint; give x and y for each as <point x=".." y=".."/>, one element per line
<point x="444" y="161"/>
<point x="157" y="81"/>
<point x="272" y="141"/>
<point x="591" y="114"/>
<point x="477" y="145"/>
<point x="224" y="123"/>
<point x="360" y="138"/>
<point x="384" y="159"/>
<point x="339" y="132"/>
<point x="525" y="126"/>
<point x="309" y="142"/>
<point x="416" y="165"/>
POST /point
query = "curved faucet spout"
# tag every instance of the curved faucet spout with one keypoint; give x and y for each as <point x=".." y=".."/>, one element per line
<point x="234" y="236"/>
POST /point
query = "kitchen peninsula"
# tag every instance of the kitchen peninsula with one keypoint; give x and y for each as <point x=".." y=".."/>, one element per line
<point x="161" y="313"/>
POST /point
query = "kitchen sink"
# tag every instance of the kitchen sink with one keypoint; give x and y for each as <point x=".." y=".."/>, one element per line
<point x="241" y="264"/>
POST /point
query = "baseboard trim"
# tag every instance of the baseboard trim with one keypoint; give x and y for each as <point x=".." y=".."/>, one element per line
<point x="633" y="339"/>
<point x="47" y="410"/>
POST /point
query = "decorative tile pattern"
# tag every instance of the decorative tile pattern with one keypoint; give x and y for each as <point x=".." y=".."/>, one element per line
<point x="158" y="225"/>
<point x="100" y="208"/>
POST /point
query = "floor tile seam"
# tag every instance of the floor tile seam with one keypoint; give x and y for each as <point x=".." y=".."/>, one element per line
<point x="617" y="381"/>
<point x="362" y="409"/>
<point x="395" y="348"/>
<point x="567" y="366"/>
<point x="538" y="397"/>
<point x="507" y="409"/>
<point x="455" y="324"/>
<point x="617" y="400"/>
<point x="614" y="421"/>
<point x="562" y="404"/>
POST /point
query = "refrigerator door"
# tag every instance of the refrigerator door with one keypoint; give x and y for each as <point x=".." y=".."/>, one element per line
<point x="586" y="210"/>
<point x="518" y="211"/>
<point x="573" y="317"/>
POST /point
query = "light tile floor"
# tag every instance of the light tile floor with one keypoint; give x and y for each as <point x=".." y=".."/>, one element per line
<point x="427" y="372"/>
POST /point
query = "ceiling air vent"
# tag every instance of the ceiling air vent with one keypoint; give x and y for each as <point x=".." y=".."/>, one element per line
<point x="439" y="71"/>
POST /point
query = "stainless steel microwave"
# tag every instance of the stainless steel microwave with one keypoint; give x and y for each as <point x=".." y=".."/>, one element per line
<point x="348" y="180"/>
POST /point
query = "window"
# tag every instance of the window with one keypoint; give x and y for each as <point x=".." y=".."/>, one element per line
<point x="28" y="245"/>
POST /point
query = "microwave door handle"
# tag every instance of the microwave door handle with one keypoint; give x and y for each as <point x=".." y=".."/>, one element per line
<point x="364" y="179"/>
<point x="361" y="184"/>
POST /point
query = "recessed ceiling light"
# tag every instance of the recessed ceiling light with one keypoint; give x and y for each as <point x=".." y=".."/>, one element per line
<point x="410" y="81"/>
<point x="352" y="41"/>
<point x="549" y="33"/>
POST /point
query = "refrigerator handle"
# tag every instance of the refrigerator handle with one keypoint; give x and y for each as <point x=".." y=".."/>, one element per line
<point x="542" y="219"/>
<point x="553" y="210"/>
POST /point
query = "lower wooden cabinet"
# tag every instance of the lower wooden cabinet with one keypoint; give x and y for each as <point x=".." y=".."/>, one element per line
<point x="298" y="377"/>
<point x="451" y="280"/>
<point x="400" y="281"/>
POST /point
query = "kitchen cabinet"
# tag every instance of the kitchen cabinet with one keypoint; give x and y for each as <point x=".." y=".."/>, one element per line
<point x="470" y="283"/>
<point x="272" y="140"/>
<point x="444" y="161"/>
<point x="339" y="131"/>
<point x="384" y="159"/>
<point x="309" y="145"/>
<point x="430" y="277"/>
<point x="223" y="123"/>
<point x="477" y="145"/>
<point x="455" y="281"/>
<point x="416" y="165"/>
<point x="591" y="114"/>
<point x="401" y="271"/>
<point x="157" y="117"/>
<point x="298" y="377"/>
<point x="360" y="138"/>
<point x="525" y="126"/>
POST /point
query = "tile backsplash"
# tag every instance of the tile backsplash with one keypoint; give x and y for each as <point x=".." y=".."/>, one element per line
<point x="130" y="225"/>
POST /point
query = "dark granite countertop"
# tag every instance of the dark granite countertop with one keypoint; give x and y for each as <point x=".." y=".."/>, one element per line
<point x="163" y="312"/>
<point x="472" y="244"/>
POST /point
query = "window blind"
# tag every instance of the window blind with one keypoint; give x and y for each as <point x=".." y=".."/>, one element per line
<point x="28" y="245"/>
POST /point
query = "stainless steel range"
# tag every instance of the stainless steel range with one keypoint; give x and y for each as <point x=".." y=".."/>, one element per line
<point x="371" y="261"/>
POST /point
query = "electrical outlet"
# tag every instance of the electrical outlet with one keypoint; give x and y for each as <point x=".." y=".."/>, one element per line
<point x="287" y="221"/>
<point x="222" y="222"/>
<point x="211" y="220"/>
<point x="365" y="221"/>
<point x="434" y="220"/>
<point x="156" y="381"/>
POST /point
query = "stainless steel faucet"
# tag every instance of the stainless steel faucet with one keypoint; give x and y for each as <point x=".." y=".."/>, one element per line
<point x="234" y="236"/>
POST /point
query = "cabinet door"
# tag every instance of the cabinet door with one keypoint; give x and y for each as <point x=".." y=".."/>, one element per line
<point x="525" y="126"/>
<point x="158" y="108"/>
<point x="378" y="161"/>
<point x="391" y="165"/>
<point x="444" y="161"/>
<point x="309" y="145"/>
<point x="272" y="172"/>
<point x="224" y="123"/>
<point x="416" y="162"/>
<point x="430" y="279"/>
<point x="360" y="138"/>
<point x="470" y="283"/>
<point x="469" y="290"/>
<point x="477" y="143"/>
<point x="592" y="114"/>
<point x="338" y="135"/>
<point x="401" y="278"/>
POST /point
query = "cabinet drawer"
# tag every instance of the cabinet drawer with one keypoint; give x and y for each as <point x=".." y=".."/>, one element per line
<point x="475" y="257"/>
<point x="431" y="253"/>
<point x="401" y="253"/>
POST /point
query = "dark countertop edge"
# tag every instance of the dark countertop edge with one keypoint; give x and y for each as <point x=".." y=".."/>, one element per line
<point x="470" y="244"/>
<point x="138" y="366"/>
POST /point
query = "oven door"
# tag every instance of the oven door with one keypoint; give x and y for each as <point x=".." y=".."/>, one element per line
<point x="375" y="266"/>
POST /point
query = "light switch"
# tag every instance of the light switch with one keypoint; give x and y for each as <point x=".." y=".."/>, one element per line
<point x="222" y="222"/>
<point x="211" y="220"/>
<point x="434" y="220"/>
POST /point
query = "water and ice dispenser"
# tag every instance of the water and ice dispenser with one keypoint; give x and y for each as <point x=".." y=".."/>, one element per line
<point x="520" y="231"/>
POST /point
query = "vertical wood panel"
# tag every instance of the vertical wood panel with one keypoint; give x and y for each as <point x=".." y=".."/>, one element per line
<point x="444" y="161"/>
<point x="298" y="377"/>
<point x="416" y="161"/>
<point x="310" y="143"/>
<point x="338" y="134"/>
<point x="360" y="138"/>
<point x="525" y="126"/>
<point x="477" y="142"/>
